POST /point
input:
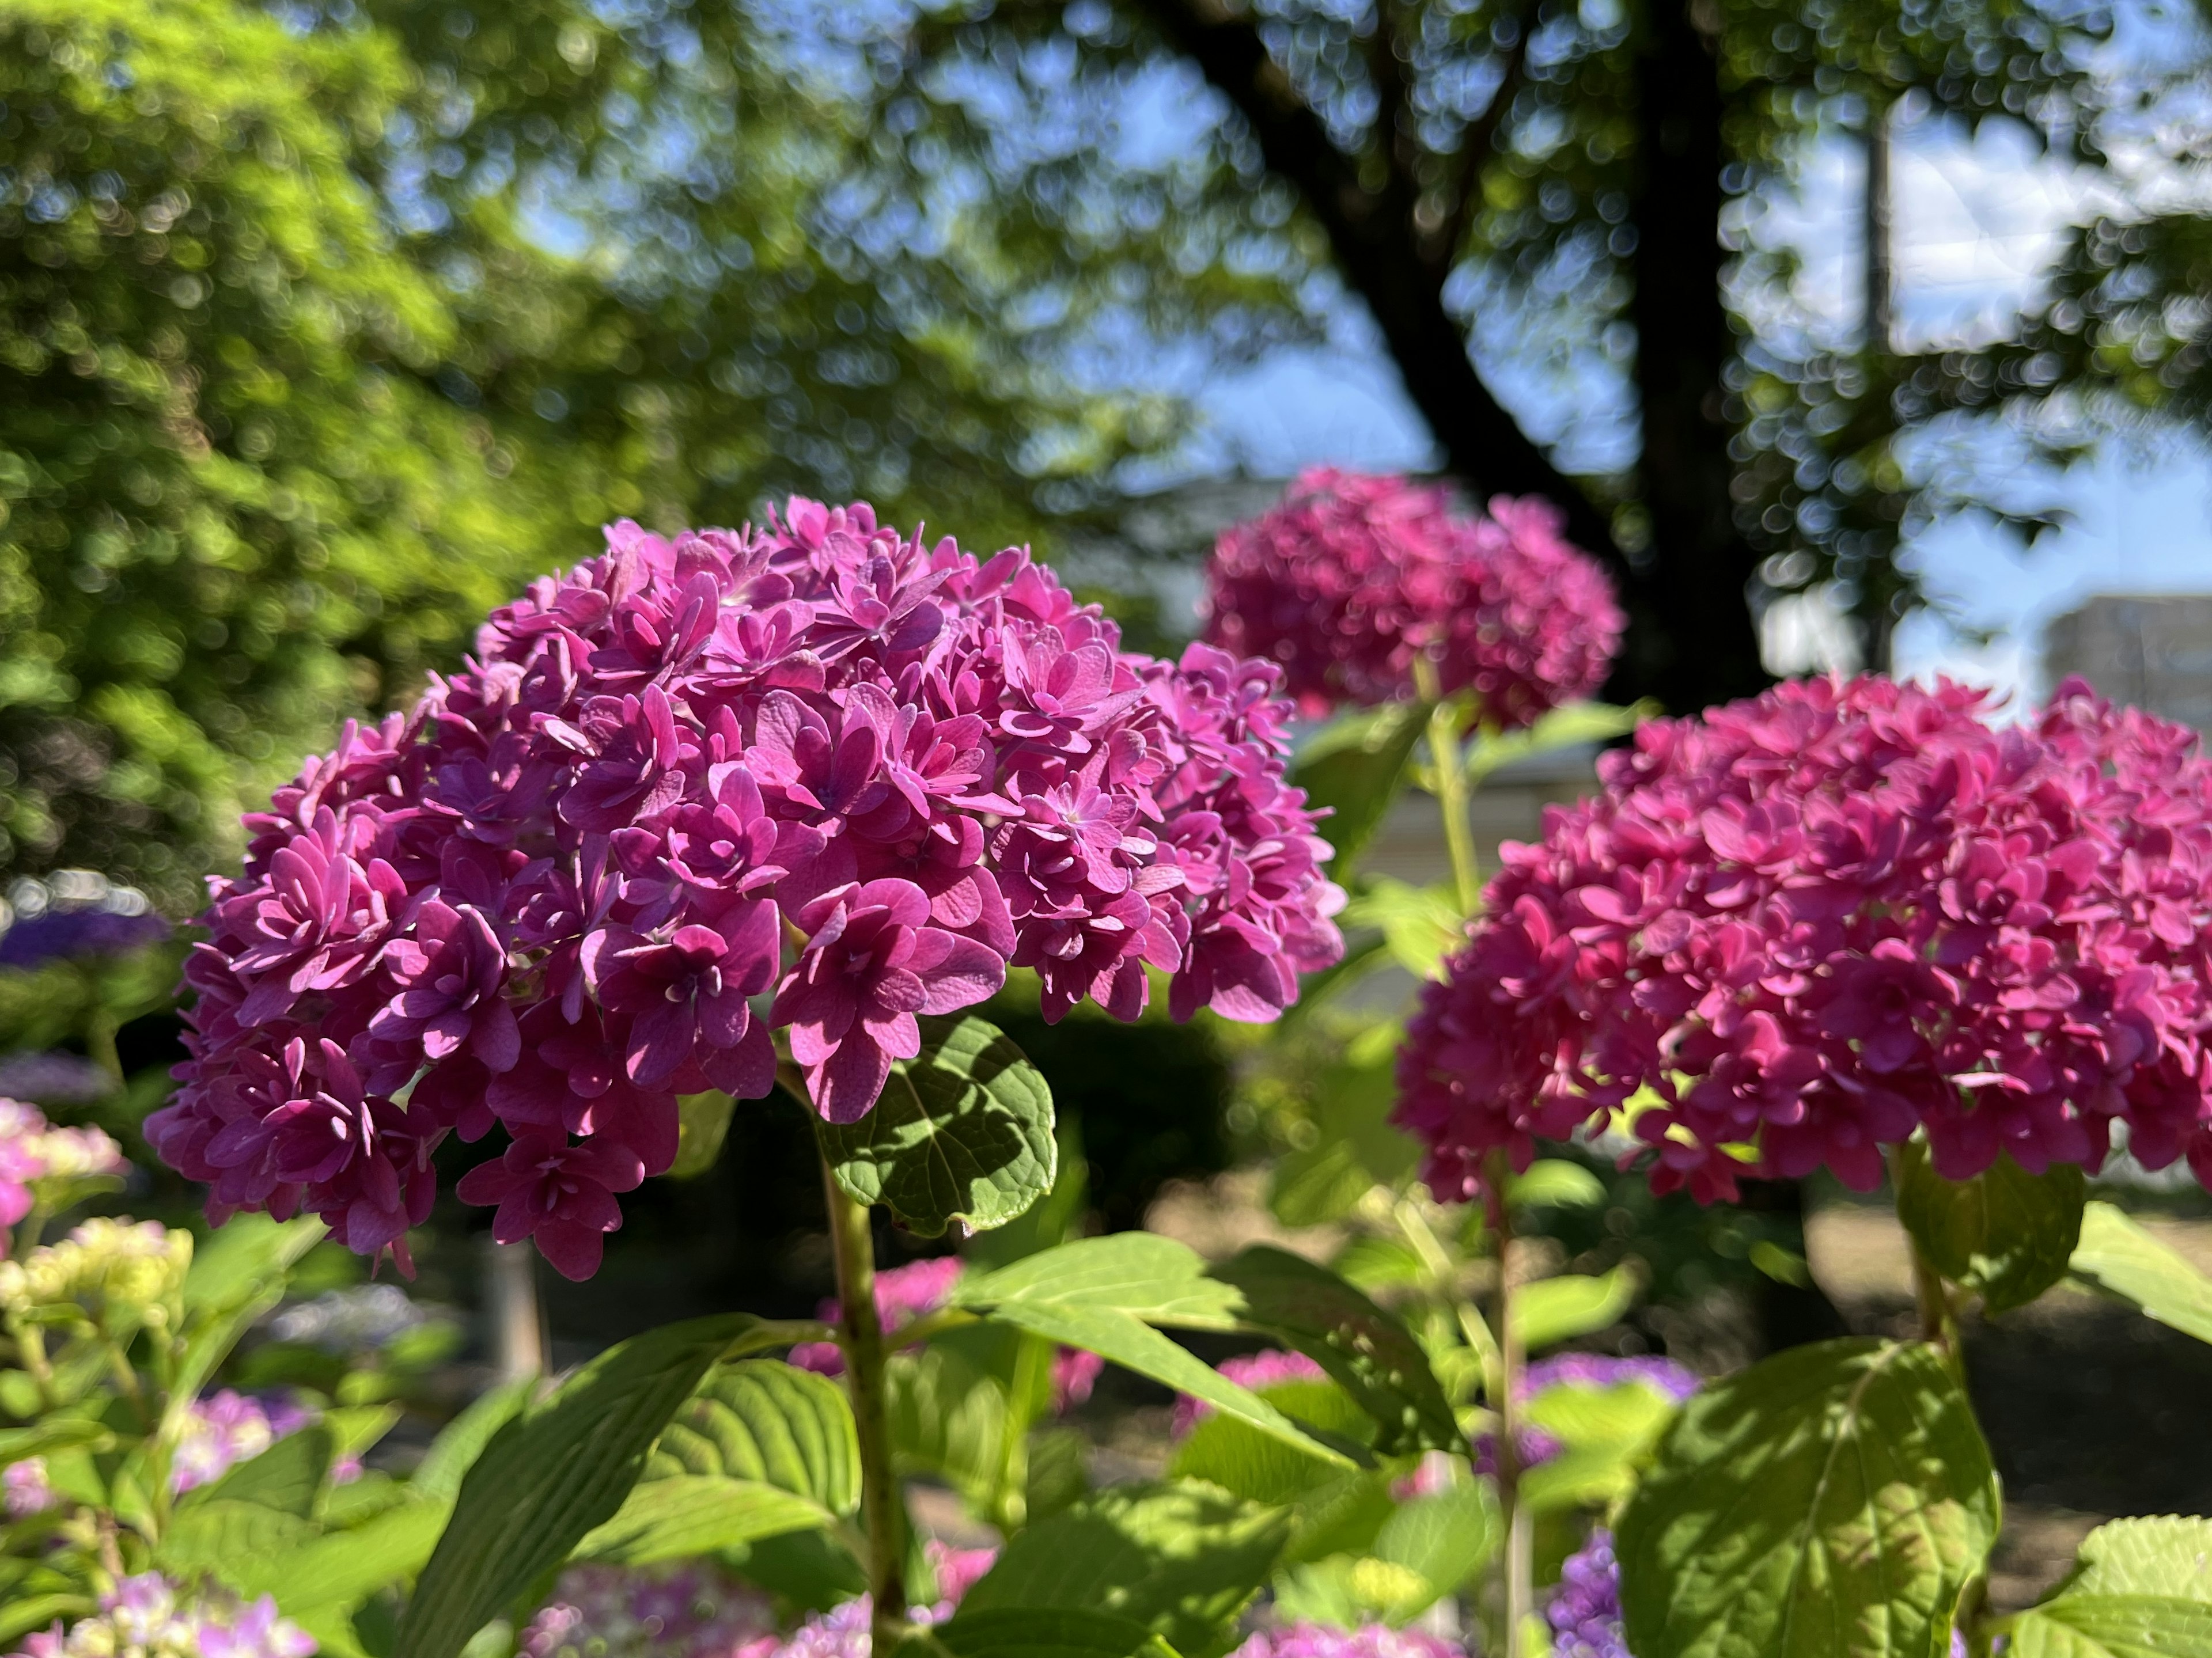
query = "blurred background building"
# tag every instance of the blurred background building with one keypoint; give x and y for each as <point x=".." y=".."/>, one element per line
<point x="2154" y="654"/>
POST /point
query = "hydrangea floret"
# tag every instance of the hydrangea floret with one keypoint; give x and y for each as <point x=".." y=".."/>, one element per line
<point x="1585" y="1609"/>
<point x="1352" y="578"/>
<point x="1326" y="1641"/>
<point x="227" y="1428"/>
<point x="33" y="1152"/>
<point x="148" y="1617"/>
<point x="849" y="774"/>
<point x="1793" y="932"/>
<point x="904" y="1294"/>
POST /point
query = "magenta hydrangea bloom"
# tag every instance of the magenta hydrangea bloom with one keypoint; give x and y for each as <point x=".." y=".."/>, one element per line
<point x="1325" y="1640"/>
<point x="1264" y="1368"/>
<point x="817" y="777"/>
<point x="1793" y="932"/>
<point x="1353" y="577"/>
<point x="1585" y="1609"/>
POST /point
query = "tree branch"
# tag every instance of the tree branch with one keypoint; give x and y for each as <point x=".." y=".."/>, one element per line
<point x="1476" y="142"/>
<point x="1375" y="250"/>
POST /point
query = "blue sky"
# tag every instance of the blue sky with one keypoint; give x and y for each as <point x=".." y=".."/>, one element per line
<point x="1974" y="221"/>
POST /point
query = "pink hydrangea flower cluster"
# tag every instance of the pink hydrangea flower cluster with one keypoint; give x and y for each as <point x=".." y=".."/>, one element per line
<point x="148" y="1617"/>
<point x="33" y="1149"/>
<point x="1793" y="932"/>
<point x="921" y="1287"/>
<point x="694" y="1610"/>
<point x="1265" y="1368"/>
<point x="859" y="771"/>
<point x="1325" y="1640"/>
<point x="1353" y="577"/>
<point x="688" y="1610"/>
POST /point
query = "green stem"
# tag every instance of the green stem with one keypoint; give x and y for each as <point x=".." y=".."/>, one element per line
<point x="1939" y="1323"/>
<point x="861" y="1333"/>
<point x="1447" y="759"/>
<point x="1520" y="1539"/>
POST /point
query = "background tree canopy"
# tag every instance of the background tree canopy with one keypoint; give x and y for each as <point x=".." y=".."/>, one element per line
<point x="320" y="332"/>
<point x="324" y="324"/>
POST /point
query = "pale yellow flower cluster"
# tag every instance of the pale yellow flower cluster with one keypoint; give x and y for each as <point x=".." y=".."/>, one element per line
<point x="102" y="1263"/>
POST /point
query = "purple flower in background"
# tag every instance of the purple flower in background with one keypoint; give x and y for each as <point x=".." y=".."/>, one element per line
<point x="1585" y="1608"/>
<point x="690" y="1609"/>
<point x="1663" y="1375"/>
<point x="694" y="1611"/>
<point x="228" y="1428"/>
<point x="1254" y="1370"/>
<point x="1672" y="1382"/>
<point x="53" y="1078"/>
<point x="150" y="1616"/>
<point x="1321" y="1640"/>
<point x="24" y="1491"/>
<point x="74" y="913"/>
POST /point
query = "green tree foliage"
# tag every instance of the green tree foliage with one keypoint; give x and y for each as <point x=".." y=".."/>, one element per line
<point x="236" y="507"/>
<point x="321" y="330"/>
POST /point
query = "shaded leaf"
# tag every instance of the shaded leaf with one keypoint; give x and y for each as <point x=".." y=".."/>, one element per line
<point x="231" y="1267"/>
<point x="1833" y="1500"/>
<point x="1354" y="1148"/>
<point x="1245" y="1462"/>
<point x="763" y="1420"/>
<point x="702" y="1123"/>
<point x="214" y="1537"/>
<point x="1354" y="766"/>
<point x="340" y="1567"/>
<point x="1038" y="1632"/>
<point x="2005" y="1234"/>
<point x="690" y="1515"/>
<point x="1368" y="1351"/>
<point x="963" y="1132"/>
<point x="1182" y="1560"/>
<point x="288" y="1477"/>
<point x="947" y="1419"/>
<point x="554" y="1471"/>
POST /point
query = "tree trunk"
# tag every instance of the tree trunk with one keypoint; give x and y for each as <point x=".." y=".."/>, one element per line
<point x="1698" y="645"/>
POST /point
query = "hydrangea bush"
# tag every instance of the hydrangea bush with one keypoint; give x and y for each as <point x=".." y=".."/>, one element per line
<point x="858" y="769"/>
<point x="1816" y="922"/>
<point x="735" y="810"/>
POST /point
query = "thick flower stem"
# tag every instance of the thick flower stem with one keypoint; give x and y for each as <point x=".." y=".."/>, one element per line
<point x="1520" y="1539"/>
<point x="860" y="1335"/>
<point x="1450" y="774"/>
